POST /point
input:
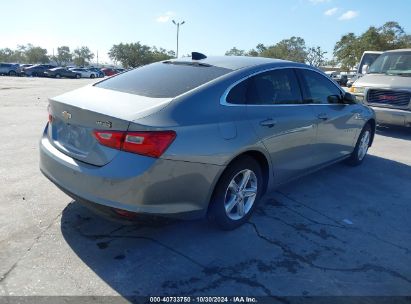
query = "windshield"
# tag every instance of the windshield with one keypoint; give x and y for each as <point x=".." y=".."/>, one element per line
<point x="162" y="80"/>
<point x="395" y="63"/>
<point x="367" y="59"/>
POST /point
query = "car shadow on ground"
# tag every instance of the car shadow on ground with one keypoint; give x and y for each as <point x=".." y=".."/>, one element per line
<point x="394" y="132"/>
<point x="340" y="231"/>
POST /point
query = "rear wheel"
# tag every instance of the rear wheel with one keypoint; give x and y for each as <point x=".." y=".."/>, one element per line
<point x="92" y="76"/>
<point x="361" y="148"/>
<point x="78" y="76"/>
<point x="12" y="73"/>
<point x="58" y="76"/>
<point x="236" y="194"/>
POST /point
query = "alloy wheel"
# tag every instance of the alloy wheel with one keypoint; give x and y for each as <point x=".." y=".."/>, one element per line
<point x="241" y="194"/>
<point x="364" y="144"/>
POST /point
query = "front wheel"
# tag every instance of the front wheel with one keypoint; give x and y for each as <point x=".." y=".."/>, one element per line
<point x="78" y="76"/>
<point x="361" y="148"/>
<point x="236" y="194"/>
<point x="92" y="76"/>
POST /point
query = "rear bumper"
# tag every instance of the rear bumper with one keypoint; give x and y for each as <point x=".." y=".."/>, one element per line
<point x="393" y="116"/>
<point x="133" y="182"/>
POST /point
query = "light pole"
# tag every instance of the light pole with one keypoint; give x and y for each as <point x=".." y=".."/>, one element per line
<point x="178" y="30"/>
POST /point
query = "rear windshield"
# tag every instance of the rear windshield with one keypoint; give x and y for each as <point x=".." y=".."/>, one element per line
<point x="162" y="80"/>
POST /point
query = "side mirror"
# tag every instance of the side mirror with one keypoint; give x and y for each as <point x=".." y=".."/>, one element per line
<point x="365" y="69"/>
<point x="349" y="98"/>
<point x="334" y="99"/>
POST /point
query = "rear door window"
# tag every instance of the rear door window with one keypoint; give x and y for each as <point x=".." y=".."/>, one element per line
<point x="163" y="80"/>
<point x="276" y="87"/>
<point x="238" y="93"/>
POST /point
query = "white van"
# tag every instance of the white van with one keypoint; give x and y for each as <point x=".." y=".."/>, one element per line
<point x="387" y="87"/>
<point x="367" y="58"/>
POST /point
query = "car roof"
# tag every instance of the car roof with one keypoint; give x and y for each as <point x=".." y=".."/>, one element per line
<point x="398" y="50"/>
<point x="373" y="52"/>
<point x="231" y="62"/>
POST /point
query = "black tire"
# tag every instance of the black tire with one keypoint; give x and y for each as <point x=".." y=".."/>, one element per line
<point x="78" y="76"/>
<point x="34" y="74"/>
<point x="92" y="76"/>
<point x="58" y="76"/>
<point x="12" y="73"/>
<point x="356" y="157"/>
<point x="217" y="210"/>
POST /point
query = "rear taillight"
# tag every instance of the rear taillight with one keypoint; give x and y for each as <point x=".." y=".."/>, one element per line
<point x="148" y="143"/>
<point x="152" y="143"/>
<point x="110" y="139"/>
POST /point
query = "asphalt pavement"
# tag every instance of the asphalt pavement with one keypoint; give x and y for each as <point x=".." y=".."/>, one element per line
<point x="342" y="231"/>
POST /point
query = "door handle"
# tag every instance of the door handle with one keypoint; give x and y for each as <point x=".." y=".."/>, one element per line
<point x="322" y="116"/>
<point x="268" y="123"/>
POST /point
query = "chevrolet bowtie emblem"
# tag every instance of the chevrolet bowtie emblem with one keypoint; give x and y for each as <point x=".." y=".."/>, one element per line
<point x="66" y="115"/>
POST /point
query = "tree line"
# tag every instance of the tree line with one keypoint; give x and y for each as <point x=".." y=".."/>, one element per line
<point x="293" y="49"/>
<point x="36" y="54"/>
<point x="127" y="54"/>
<point x="347" y="51"/>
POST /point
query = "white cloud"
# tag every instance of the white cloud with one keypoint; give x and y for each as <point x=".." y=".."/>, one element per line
<point x="315" y="2"/>
<point x="331" y="11"/>
<point x="348" y="15"/>
<point x="165" y="17"/>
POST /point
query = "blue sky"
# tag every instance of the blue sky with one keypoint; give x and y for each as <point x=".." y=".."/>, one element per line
<point x="212" y="26"/>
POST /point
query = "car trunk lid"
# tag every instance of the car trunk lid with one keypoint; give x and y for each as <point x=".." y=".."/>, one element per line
<point x="75" y="115"/>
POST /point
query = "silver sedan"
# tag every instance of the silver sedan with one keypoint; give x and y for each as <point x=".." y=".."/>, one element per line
<point x="200" y="136"/>
<point x="85" y="73"/>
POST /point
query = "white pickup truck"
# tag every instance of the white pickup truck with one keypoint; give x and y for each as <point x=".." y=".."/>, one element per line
<point x="386" y="87"/>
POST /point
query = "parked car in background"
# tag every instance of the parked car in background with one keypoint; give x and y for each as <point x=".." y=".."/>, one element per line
<point x="338" y="77"/>
<point x="387" y="88"/>
<point x="200" y="136"/>
<point x="61" y="72"/>
<point x="10" y="69"/>
<point x="25" y="65"/>
<point x="85" y="73"/>
<point x="341" y="79"/>
<point x="37" y="70"/>
<point x="367" y="58"/>
<point x="331" y="74"/>
<point x="99" y="73"/>
<point x="109" y="71"/>
<point x="352" y="80"/>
